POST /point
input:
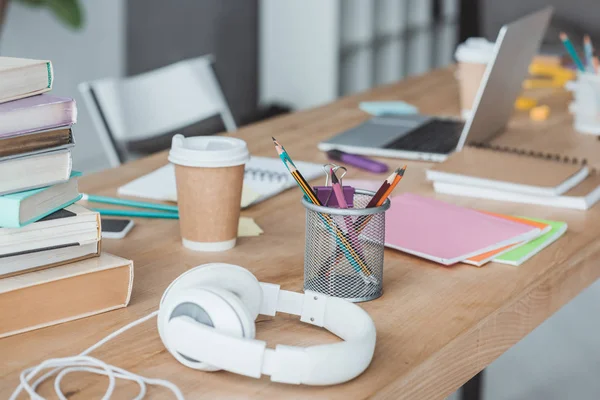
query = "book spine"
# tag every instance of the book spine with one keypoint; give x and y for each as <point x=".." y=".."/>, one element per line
<point x="10" y="212"/>
<point x="50" y="74"/>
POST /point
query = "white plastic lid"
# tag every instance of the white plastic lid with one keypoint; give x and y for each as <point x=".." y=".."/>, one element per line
<point x="208" y="151"/>
<point x="475" y="50"/>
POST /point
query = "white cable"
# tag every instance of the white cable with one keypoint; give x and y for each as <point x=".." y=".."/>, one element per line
<point x="84" y="362"/>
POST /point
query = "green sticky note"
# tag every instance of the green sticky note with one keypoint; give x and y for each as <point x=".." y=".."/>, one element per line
<point x="524" y="252"/>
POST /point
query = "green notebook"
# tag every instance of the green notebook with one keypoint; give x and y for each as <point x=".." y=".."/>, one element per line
<point x="20" y="209"/>
<point x="524" y="252"/>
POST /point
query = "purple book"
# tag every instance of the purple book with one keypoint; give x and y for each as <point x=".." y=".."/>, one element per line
<point x="36" y="113"/>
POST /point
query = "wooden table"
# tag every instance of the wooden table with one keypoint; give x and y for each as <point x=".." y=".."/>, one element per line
<point x="436" y="326"/>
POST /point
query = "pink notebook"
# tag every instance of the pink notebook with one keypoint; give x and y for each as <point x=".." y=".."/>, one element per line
<point x="446" y="233"/>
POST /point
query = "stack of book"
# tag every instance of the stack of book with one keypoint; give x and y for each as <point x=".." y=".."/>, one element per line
<point x="50" y="258"/>
<point x="517" y="177"/>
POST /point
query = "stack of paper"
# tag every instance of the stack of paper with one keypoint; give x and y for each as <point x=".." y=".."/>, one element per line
<point x="448" y="234"/>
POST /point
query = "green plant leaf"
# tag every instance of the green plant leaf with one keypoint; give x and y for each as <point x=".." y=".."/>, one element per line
<point x="35" y="3"/>
<point x="67" y="11"/>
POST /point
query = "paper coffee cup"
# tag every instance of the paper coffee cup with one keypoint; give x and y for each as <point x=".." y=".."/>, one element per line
<point x="209" y="171"/>
<point x="472" y="56"/>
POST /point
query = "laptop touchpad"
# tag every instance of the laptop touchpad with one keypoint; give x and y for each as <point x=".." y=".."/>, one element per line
<point x="379" y="131"/>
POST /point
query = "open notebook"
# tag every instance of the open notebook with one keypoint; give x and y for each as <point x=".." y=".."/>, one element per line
<point x="264" y="177"/>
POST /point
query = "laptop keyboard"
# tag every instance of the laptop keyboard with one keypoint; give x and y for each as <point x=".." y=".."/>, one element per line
<point x="436" y="136"/>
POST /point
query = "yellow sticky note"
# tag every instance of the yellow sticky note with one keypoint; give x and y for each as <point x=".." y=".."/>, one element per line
<point x="247" y="227"/>
<point x="525" y="103"/>
<point x="248" y="196"/>
<point x="540" y="113"/>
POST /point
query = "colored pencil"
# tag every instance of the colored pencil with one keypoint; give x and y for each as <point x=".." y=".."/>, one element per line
<point x="128" y="203"/>
<point x="281" y="152"/>
<point x="135" y="213"/>
<point x="382" y="189"/>
<point x="589" y="53"/>
<point x="339" y="195"/>
<point x="399" y="176"/>
<point x="571" y="50"/>
<point x="305" y="186"/>
<point x="341" y="240"/>
<point x="596" y="65"/>
<point x="362" y="222"/>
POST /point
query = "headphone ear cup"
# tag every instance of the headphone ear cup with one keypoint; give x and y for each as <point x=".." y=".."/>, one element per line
<point x="244" y="315"/>
<point x="206" y="307"/>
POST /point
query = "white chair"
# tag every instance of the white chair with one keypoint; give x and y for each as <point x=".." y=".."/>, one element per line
<point x="154" y="103"/>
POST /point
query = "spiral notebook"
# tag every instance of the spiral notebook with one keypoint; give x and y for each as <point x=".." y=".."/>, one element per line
<point x="510" y="171"/>
<point x="264" y="177"/>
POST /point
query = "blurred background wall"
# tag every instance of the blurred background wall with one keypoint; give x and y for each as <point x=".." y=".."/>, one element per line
<point x="96" y="51"/>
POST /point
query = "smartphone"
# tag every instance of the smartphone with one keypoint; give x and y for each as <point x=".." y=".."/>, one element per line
<point x="113" y="228"/>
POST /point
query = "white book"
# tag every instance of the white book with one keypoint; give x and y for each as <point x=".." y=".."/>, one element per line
<point x="73" y="224"/>
<point x="581" y="197"/>
<point x="36" y="171"/>
<point x="44" y="258"/>
<point x="22" y="77"/>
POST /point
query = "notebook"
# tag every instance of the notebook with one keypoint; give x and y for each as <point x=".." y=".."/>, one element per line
<point x="264" y="177"/>
<point x="581" y="197"/>
<point x="22" y="77"/>
<point x="481" y="259"/>
<point x="508" y="171"/>
<point x="446" y="233"/>
<point x="524" y="252"/>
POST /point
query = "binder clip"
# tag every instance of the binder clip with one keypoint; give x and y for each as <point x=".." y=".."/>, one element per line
<point x="325" y="193"/>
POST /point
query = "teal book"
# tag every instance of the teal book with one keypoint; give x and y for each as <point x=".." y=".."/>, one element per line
<point x="524" y="252"/>
<point x="20" y="209"/>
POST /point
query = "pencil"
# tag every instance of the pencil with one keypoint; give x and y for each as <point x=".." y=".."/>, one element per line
<point x="363" y="221"/>
<point x="281" y="152"/>
<point x="399" y="176"/>
<point x="571" y="50"/>
<point x="382" y="189"/>
<point x="341" y="240"/>
<point x="135" y="213"/>
<point x="308" y="192"/>
<point x="596" y="65"/>
<point x="91" y="198"/>
<point x="589" y="53"/>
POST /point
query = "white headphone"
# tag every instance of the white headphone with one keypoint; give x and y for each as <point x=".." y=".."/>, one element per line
<point x="206" y="321"/>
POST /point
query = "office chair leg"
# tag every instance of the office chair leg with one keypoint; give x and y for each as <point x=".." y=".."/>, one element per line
<point x="472" y="390"/>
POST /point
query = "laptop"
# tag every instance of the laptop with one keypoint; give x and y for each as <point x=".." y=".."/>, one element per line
<point x="423" y="137"/>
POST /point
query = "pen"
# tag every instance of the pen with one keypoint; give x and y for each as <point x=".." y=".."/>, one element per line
<point x="589" y="54"/>
<point x="135" y="213"/>
<point x="571" y="50"/>
<point x="128" y="203"/>
<point x="358" y="161"/>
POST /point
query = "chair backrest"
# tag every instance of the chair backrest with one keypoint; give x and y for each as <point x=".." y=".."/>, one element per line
<point x="153" y="103"/>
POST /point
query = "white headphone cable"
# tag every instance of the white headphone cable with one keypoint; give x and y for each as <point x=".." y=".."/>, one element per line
<point x="83" y="362"/>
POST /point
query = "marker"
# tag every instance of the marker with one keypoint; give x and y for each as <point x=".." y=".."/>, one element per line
<point x="358" y="161"/>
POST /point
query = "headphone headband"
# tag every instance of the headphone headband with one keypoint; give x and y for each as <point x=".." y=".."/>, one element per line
<point x="315" y="365"/>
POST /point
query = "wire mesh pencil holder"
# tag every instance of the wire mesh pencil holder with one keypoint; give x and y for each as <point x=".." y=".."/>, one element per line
<point x="343" y="255"/>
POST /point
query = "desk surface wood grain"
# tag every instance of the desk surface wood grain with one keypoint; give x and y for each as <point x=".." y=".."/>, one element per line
<point x="436" y="326"/>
